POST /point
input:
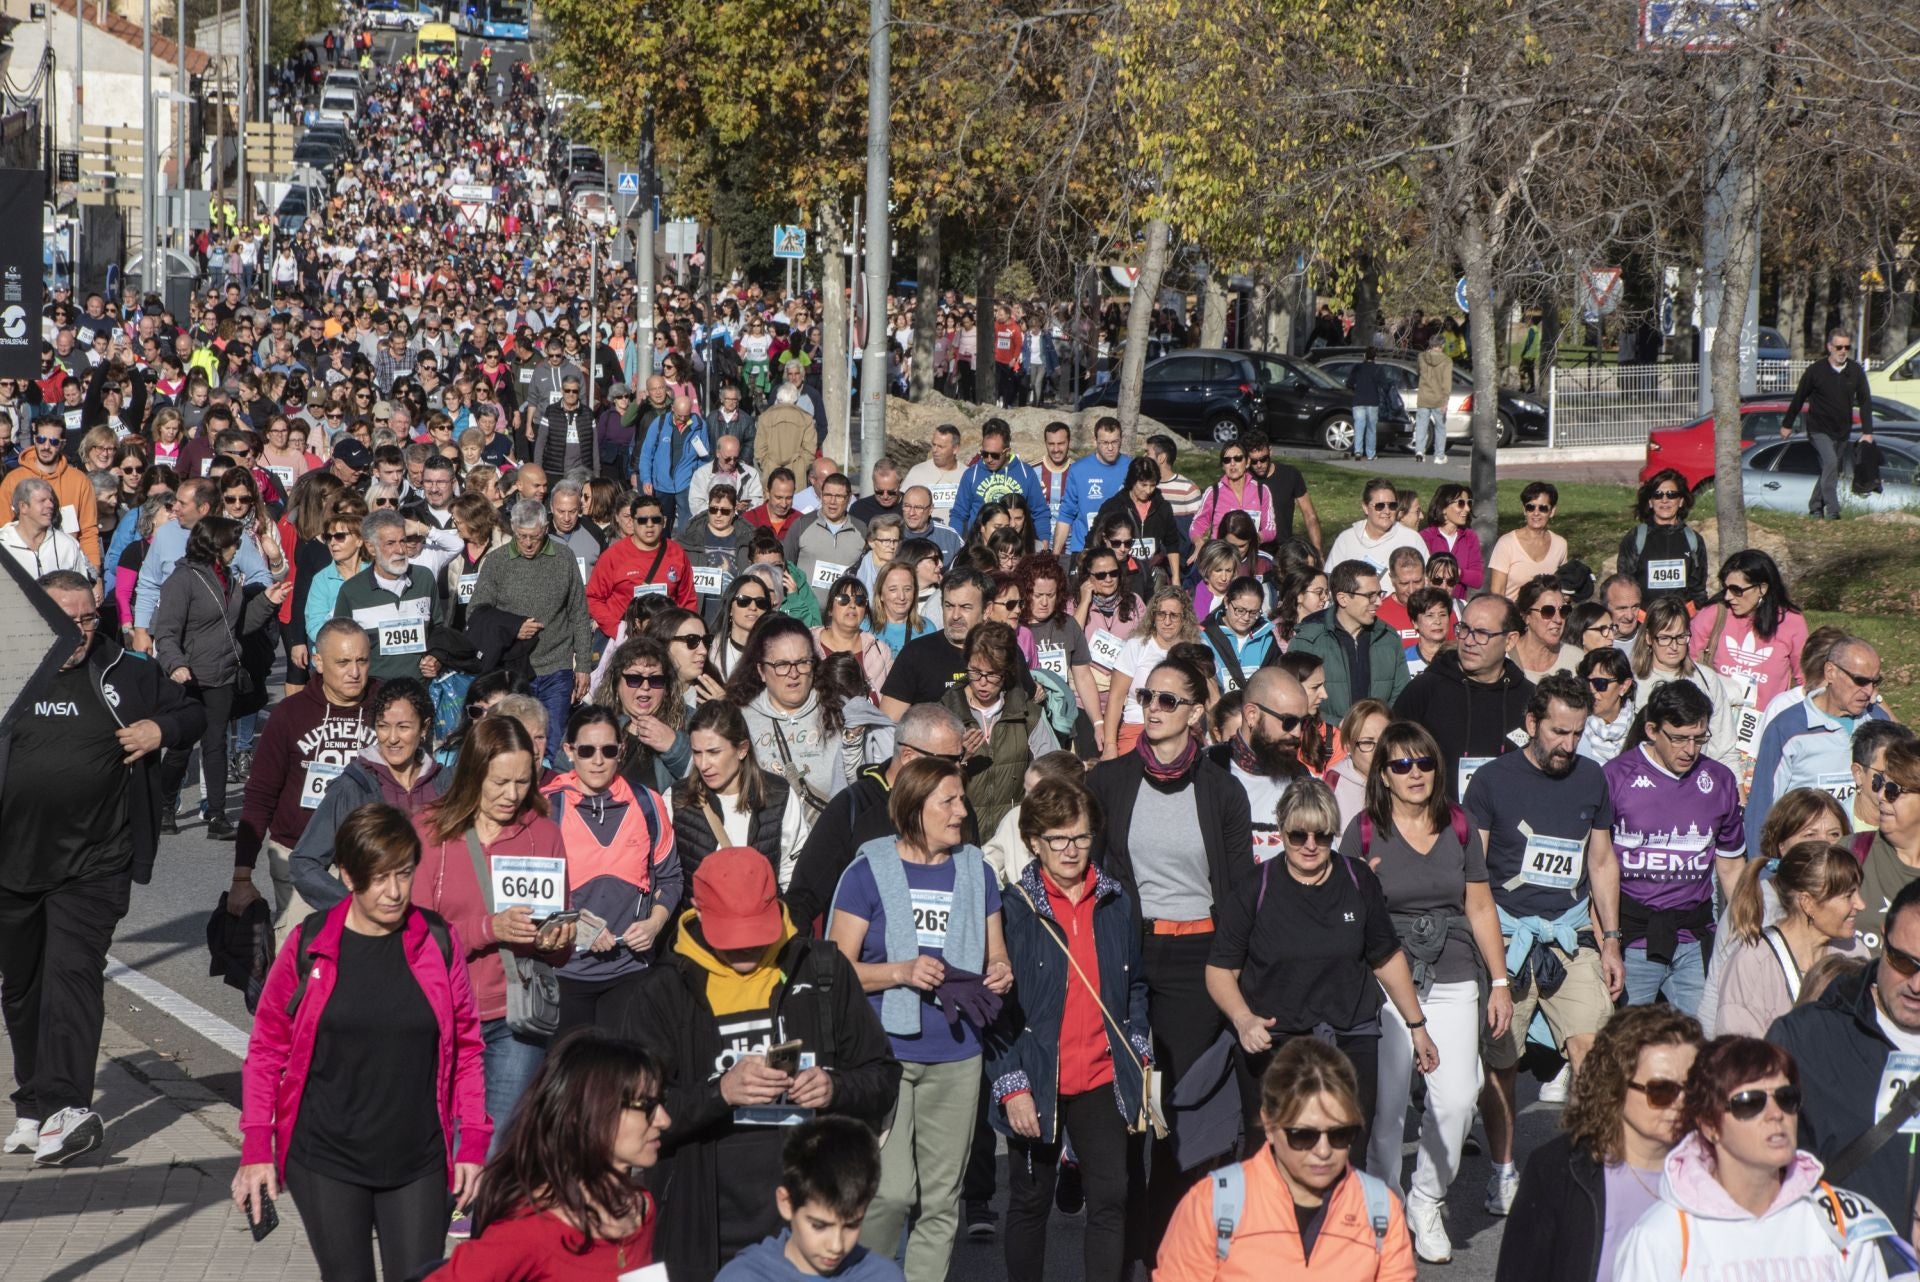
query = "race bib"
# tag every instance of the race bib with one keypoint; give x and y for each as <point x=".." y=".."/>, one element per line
<point x="944" y="495"/>
<point x="1666" y="574"/>
<point x="1902" y="1067"/>
<point x="709" y="580"/>
<point x="70" y="518"/>
<point x="1053" y="658"/>
<point x="1746" y="724"/>
<point x="1469" y="766"/>
<point x="699" y="448"/>
<point x="464" y="590"/>
<point x="529" y="881"/>
<point x="1105" y="648"/>
<point x="404" y="638"/>
<point x="553" y="396"/>
<point x="206" y="466"/>
<point x="284" y="475"/>
<point x="397" y="629"/>
<point x="1839" y="785"/>
<point x="649" y="589"/>
<point x="72" y="418"/>
<point x="585" y="571"/>
<point x="526" y="377"/>
<point x="573" y="432"/>
<point x="931" y="909"/>
<point x="1742" y="689"/>
<point x="320" y="776"/>
<point x="1553" y="863"/>
<point x="1143" y="549"/>
<point x="826" y="574"/>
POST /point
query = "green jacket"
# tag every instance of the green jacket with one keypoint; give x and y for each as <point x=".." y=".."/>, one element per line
<point x="1387" y="663"/>
<point x="800" y="602"/>
<point x="996" y="777"/>
<point x="545" y="587"/>
<point x="403" y="623"/>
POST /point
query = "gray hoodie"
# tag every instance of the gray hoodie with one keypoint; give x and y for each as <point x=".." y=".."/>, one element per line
<point x="767" y="1262"/>
<point x="800" y="739"/>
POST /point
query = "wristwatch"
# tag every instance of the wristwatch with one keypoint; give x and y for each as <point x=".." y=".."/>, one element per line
<point x="1612" y="934"/>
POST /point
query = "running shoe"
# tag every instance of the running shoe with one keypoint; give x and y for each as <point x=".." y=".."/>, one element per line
<point x="66" y="1135"/>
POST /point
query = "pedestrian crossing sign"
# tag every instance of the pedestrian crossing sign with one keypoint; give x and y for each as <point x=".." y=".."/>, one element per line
<point x="789" y="241"/>
<point x="628" y="184"/>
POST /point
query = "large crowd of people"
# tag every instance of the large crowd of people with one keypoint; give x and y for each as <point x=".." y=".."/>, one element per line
<point x="745" y="850"/>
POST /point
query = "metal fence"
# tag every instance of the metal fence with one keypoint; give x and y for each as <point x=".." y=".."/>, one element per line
<point x="1620" y="404"/>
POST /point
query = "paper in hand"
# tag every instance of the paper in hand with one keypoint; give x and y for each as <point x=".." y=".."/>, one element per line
<point x="587" y="929"/>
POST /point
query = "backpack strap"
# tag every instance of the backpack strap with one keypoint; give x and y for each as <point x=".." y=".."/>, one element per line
<point x="1229" y="1199"/>
<point x="1788" y="966"/>
<point x="303" y="960"/>
<point x="1366" y="836"/>
<point x="1459" y="818"/>
<point x="1379" y="1207"/>
<point x="1861" y="844"/>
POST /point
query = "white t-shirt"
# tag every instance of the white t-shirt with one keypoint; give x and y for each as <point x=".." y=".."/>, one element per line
<point x="1139" y="656"/>
<point x="944" y="483"/>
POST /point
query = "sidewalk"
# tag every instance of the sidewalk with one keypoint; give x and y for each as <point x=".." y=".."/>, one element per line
<point x="152" y="1203"/>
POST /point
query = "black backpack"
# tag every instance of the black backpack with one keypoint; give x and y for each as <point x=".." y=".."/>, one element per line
<point x="436" y="926"/>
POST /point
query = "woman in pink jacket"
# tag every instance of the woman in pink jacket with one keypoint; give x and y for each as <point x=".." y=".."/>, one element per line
<point x="1235" y="491"/>
<point x="364" y="1065"/>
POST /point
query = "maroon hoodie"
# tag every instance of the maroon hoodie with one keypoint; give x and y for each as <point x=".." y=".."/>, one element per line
<point x="307" y="742"/>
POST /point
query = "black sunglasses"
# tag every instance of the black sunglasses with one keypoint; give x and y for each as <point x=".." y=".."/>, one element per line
<point x="1885" y="787"/>
<point x="753" y="602"/>
<point x="1288" y="721"/>
<point x="1744" y="1106"/>
<point x="1405" y="765"/>
<point x="1904" y="963"/>
<point x="588" y="751"/>
<point x="1859" y="680"/>
<point x="649" y="520"/>
<point x="1301" y="1139"/>
<point x="1661" y="1092"/>
<point x="644" y="680"/>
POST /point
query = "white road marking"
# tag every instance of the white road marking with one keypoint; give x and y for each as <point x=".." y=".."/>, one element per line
<point x="192" y="1014"/>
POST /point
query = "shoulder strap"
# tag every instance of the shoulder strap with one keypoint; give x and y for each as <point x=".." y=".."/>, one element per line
<point x="651" y="813"/>
<point x="659" y="554"/>
<point x="1870" y="1141"/>
<point x="1640" y="539"/>
<point x="1788" y="966"/>
<point x="480" y="869"/>
<point x="1862" y="843"/>
<point x="303" y="961"/>
<point x="1229" y="1197"/>
<point x="1459" y="817"/>
<point x="1379" y="1207"/>
<point x="822" y="954"/>
<point x="1366" y="835"/>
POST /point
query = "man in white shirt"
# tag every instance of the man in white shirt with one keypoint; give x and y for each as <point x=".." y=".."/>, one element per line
<point x="727" y="468"/>
<point x="940" y="472"/>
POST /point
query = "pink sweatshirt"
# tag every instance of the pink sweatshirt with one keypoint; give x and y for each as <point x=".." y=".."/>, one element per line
<point x="445" y="882"/>
<point x="280" y="1051"/>
<point x="1772" y="665"/>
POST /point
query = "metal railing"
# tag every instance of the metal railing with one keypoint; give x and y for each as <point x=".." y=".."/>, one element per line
<point x="1620" y="404"/>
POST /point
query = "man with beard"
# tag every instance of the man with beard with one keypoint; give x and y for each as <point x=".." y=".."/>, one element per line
<point x="1264" y="758"/>
<point x="1546" y="818"/>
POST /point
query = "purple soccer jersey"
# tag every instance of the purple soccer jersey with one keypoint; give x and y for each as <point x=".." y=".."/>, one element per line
<point x="1668" y="830"/>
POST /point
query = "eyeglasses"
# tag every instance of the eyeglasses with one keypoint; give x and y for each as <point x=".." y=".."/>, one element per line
<point x="1670" y="639"/>
<point x="1744" y="1106"/>
<point x="756" y="602"/>
<point x="1243" y="611"/>
<point x="1538" y="507"/>
<point x="1059" y="845"/>
<point x="951" y="758"/>
<point x="787" y="667"/>
<point x="1549" y="611"/>
<point x="1166" y="700"/>
<point x="1668" y="494"/>
<point x="87" y="622"/>
<point x="1605" y="628"/>
<point x="1478" y="636"/>
<point x="1288" y="721"/>
<point x="1375" y="595"/>
<point x="1888" y="788"/>
<point x="1684" y="740"/>
<point x="1406" y="765"/>
<point x="644" y="680"/>
<point x="1857" y="679"/>
<point x="1661" y="1092"/>
<point x="589" y="751"/>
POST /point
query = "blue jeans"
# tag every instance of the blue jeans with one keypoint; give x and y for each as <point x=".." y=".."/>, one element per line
<point x="555" y="691"/>
<point x="1366" y="430"/>
<point x="510" y="1061"/>
<point x="1683" y="980"/>
<point x="1430" y="431"/>
<point x="672" y="504"/>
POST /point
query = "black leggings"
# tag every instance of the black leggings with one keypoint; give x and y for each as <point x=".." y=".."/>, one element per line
<point x="581" y="1000"/>
<point x="341" y="1219"/>
<point x="1185" y="1023"/>
<point x="218" y="701"/>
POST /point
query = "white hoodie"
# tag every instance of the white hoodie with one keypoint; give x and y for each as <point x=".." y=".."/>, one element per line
<point x="1698" y="1233"/>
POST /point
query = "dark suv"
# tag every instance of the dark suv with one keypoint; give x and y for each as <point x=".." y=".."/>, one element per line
<point x="1216" y="395"/>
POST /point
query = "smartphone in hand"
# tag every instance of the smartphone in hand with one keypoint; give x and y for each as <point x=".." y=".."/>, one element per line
<point x="269" y="1218"/>
<point x="785" y="1058"/>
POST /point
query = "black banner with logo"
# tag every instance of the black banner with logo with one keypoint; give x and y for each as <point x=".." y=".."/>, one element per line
<point x="23" y="194"/>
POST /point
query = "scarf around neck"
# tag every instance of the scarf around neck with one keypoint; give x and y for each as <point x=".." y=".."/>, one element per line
<point x="1173" y="771"/>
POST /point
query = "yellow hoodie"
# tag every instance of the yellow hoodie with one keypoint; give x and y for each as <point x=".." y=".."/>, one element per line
<point x="728" y="991"/>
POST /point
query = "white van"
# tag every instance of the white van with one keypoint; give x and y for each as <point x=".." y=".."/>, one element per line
<point x="338" y="104"/>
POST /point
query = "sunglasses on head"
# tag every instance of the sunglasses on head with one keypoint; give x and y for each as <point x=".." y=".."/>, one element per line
<point x="1661" y="1092"/>
<point x="1744" y="1106"/>
<point x="588" y="751"/>
<point x="1405" y="765"/>
<point x="1303" y="1139"/>
<point x="644" y="680"/>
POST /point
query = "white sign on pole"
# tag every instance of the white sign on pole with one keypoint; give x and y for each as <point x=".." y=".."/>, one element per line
<point x="628" y="184"/>
<point x="1602" y="288"/>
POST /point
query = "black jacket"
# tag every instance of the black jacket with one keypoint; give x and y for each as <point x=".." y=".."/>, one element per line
<point x="1226" y="830"/>
<point x="1159" y="525"/>
<point x="1830" y="396"/>
<point x="1646" y="543"/>
<point x="1467" y="718"/>
<point x="695" y="838"/>
<point x="665" y="1009"/>
<point x="136" y="690"/>
<point x="854" y="816"/>
<point x="1841" y="1051"/>
<point x="1559" y="1218"/>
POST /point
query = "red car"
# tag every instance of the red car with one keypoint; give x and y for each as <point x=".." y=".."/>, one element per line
<point x="1690" y="449"/>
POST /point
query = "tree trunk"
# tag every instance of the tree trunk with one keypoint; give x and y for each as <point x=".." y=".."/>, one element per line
<point x="1813" y="333"/>
<point x="1549" y="340"/>
<point x="1476" y="256"/>
<point x="985" y="373"/>
<point x="1133" y="365"/>
<point x="835" y="379"/>
<point x="1738" y="132"/>
<point x="1366" y="302"/>
<point x="1899" y="318"/>
<point x="1213" y="321"/>
<point x="1793" y="311"/>
<point x="926" y="307"/>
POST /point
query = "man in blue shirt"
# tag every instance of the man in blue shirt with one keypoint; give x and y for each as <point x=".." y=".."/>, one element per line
<point x="1091" y="481"/>
<point x="997" y="473"/>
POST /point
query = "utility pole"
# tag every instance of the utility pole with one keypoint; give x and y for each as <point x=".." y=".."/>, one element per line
<point x="149" y="170"/>
<point x="242" y="197"/>
<point x="643" y="254"/>
<point x="873" y="361"/>
<point x="183" y="126"/>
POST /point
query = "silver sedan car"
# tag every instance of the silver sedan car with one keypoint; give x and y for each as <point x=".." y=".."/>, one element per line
<point x="1779" y="476"/>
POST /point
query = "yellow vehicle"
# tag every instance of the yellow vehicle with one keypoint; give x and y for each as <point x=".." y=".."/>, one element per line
<point x="1899" y="378"/>
<point x="436" y="42"/>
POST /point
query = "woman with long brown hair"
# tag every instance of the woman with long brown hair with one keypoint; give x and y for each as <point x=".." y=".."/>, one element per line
<point x="643" y="685"/>
<point x="1759" y="967"/>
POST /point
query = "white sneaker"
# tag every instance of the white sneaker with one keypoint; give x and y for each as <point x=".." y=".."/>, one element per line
<point x="1502" y="1188"/>
<point x="24" y="1138"/>
<point x="68" y="1134"/>
<point x="1555" y="1091"/>
<point x="1429" y="1229"/>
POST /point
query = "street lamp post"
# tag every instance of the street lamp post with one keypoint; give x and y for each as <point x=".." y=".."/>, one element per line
<point x="873" y="363"/>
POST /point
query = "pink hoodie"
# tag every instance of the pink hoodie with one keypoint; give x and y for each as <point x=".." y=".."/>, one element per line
<point x="281" y="1049"/>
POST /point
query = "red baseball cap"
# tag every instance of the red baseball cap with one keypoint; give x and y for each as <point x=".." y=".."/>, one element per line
<point x="735" y="896"/>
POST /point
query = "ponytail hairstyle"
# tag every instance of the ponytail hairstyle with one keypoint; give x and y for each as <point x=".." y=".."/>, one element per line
<point x="1812" y="869"/>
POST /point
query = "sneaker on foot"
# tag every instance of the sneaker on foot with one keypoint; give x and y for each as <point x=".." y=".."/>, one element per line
<point x="1555" y="1091"/>
<point x="461" y="1227"/>
<point x="25" y="1136"/>
<point x="1429" y="1230"/>
<point x="981" y="1221"/>
<point x="68" y="1134"/>
<point x="1069" y="1192"/>
<point x="1502" y="1188"/>
<point x="220" y="828"/>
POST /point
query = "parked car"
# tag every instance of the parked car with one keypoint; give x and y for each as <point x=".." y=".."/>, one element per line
<point x="1215" y="395"/>
<point x="1689" y="448"/>
<point x="1779" y="476"/>
<point x="1899" y="377"/>
<point x="1517" y="413"/>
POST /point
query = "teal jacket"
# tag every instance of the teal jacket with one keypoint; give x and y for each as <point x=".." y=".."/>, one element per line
<point x="1387" y="663"/>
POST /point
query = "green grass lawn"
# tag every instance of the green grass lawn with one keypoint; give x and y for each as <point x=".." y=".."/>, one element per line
<point x="1861" y="574"/>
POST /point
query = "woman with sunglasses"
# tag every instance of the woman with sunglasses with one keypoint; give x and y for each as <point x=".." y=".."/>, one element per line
<point x="1306" y="1211"/>
<point x="1443" y="572"/>
<point x="1432" y="870"/>
<point x="1523" y="555"/>
<point x="1119" y="533"/>
<point x="1176" y="833"/>
<point x="1005" y="728"/>
<point x="1235" y="491"/>
<point x="715" y="540"/>
<point x="621" y="866"/>
<point x="1820" y="886"/>
<point x="747" y="600"/>
<point x="1609" y="674"/>
<point x="685" y="637"/>
<point x="1541" y="648"/>
<point x="130" y="460"/>
<point x="563" y="1196"/>
<point x="1753" y="635"/>
<point x="1587" y="1184"/>
<point x="348" y="555"/>
<point x="643" y="685"/>
<point x="1448" y="528"/>
<point x="843" y="630"/>
<point x="1590" y="627"/>
<point x="728" y="800"/>
<point x="1739" y="1197"/>
<point x="1302" y="945"/>
<point x="1660" y="655"/>
<point x="1662" y="553"/>
<point x="774" y="688"/>
<point x="1893" y="858"/>
<point x="1170" y="621"/>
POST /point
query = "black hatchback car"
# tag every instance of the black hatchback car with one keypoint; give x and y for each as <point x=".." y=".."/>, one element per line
<point x="1211" y="394"/>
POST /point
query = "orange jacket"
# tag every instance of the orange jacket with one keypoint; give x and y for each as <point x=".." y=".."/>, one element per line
<point x="1266" y="1241"/>
<point x="72" y="495"/>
